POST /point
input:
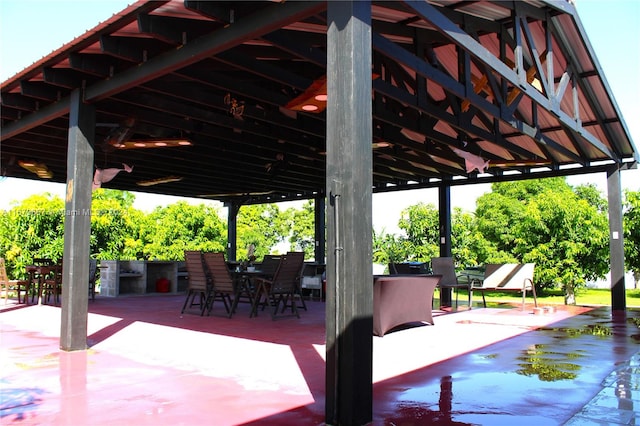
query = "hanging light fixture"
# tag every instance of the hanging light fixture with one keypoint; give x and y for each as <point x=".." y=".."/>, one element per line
<point x="40" y="169"/>
<point x="314" y="99"/>
<point x="157" y="181"/>
<point x="377" y="144"/>
<point x="152" y="143"/>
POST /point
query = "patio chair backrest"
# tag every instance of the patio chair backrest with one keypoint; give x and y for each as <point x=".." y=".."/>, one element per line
<point x="288" y="274"/>
<point x="220" y="275"/>
<point x="197" y="276"/>
<point x="508" y="276"/>
<point x="444" y="266"/>
<point x="270" y="264"/>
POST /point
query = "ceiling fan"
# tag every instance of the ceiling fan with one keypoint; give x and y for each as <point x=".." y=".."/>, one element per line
<point x="122" y="136"/>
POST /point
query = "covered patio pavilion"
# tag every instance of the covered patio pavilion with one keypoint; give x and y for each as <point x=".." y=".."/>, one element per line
<point x="218" y="100"/>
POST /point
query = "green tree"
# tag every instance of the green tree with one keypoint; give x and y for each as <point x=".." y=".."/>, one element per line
<point x="496" y="213"/>
<point x="465" y="238"/>
<point x="631" y="224"/>
<point x="302" y="236"/>
<point x="6" y="237"/>
<point x="115" y="225"/>
<point x="569" y="242"/>
<point x="420" y="243"/>
<point x="34" y="228"/>
<point x="171" y="230"/>
<point x="262" y="225"/>
<point x="561" y="229"/>
<point x="389" y="248"/>
<point x="421" y="226"/>
<point x="592" y="195"/>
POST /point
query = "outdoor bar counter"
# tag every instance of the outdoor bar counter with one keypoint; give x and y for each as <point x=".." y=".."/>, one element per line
<point x="119" y="277"/>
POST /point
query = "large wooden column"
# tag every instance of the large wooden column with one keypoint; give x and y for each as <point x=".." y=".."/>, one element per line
<point x="616" y="240"/>
<point x="77" y="224"/>
<point x="444" y="218"/>
<point x="232" y="230"/>
<point x="349" y="304"/>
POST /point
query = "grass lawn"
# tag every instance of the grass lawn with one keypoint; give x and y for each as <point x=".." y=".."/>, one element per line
<point x="589" y="296"/>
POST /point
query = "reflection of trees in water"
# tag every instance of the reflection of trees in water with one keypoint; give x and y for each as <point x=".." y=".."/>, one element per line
<point x="593" y="330"/>
<point x="549" y="366"/>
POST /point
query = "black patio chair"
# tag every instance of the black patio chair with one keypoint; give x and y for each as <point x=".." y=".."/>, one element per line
<point x="93" y="276"/>
<point x="444" y="266"/>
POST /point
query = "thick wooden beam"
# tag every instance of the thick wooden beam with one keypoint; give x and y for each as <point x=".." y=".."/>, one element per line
<point x="616" y="239"/>
<point x="262" y="22"/>
<point x="349" y="310"/>
<point x="232" y="230"/>
<point x="77" y="224"/>
<point x="432" y="15"/>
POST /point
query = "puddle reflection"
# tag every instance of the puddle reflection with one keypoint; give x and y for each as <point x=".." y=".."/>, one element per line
<point x="548" y="365"/>
<point x="409" y="414"/>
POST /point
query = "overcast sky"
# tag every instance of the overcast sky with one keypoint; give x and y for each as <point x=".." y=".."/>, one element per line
<point x="31" y="29"/>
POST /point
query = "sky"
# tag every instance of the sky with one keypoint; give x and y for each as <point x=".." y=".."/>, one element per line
<point x="31" y="29"/>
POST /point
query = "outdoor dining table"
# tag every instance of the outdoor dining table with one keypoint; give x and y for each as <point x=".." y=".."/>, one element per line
<point x="37" y="277"/>
<point x="244" y="279"/>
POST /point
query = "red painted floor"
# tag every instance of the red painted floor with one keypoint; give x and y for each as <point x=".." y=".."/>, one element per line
<point x="147" y="364"/>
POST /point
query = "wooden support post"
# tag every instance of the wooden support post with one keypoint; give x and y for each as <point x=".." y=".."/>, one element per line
<point x="616" y="240"/>
<point x="444" y="217"/>
<point x="232" y="230"/>
<point x="349" y="307"/>
<point x="77" y="224"/>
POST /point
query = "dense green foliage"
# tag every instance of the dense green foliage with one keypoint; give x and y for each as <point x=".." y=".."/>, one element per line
<point x="420" y="224"/>
<point x="466" y="240"/>
<point x="34" y="228"/>
<point x="631" y="225"/>
<point x="564" y="230"/>
<point x="261" y="225"/>
<point x="115" y="225"/>
<point x="419" y="243"/>
<point x="301" y="223"/>
<point x="389" y="248"/>
<point x="168" y="231"/>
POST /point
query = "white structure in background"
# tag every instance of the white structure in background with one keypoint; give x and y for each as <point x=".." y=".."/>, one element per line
<point x="629" y="282"/>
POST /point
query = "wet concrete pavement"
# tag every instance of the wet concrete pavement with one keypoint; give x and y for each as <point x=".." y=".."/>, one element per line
<point x="149" y="365"/>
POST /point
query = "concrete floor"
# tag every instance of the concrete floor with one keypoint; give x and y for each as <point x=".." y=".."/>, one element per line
<point x="148" y="365"/>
